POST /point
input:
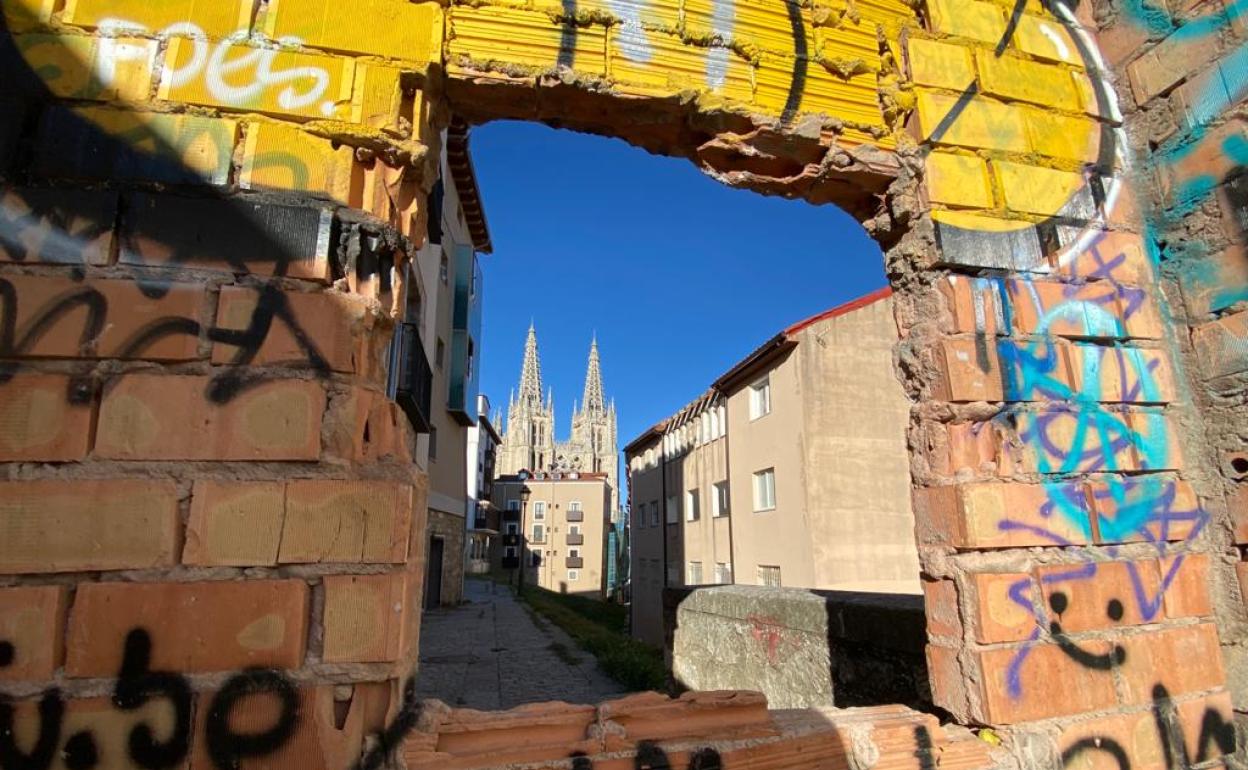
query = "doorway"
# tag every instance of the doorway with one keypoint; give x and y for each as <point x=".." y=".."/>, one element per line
<point x="433" y="579"/>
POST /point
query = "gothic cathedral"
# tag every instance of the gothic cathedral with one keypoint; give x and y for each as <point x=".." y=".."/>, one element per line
<point x="529" y="439"/>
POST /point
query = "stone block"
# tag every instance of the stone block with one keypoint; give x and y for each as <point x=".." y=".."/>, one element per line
<point x="44" y="417"/>
<point x="78" y="526"/>
<point x="150" y="417"/>
<point x="32" y="631"/>
<point x="191" y="627"/>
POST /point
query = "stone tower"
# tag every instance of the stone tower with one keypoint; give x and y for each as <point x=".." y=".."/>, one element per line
<point x="528" y="441"/>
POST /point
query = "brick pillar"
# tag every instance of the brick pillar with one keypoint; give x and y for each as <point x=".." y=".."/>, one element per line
<point x="1065" y="552"/>
<point x="211" y="525"/>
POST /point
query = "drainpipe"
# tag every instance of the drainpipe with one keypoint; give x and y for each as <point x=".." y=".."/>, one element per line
<point x="732" y="505"/>
<point x="663" y="494"/>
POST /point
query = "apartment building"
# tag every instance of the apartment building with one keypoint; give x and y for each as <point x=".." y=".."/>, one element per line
<point x="434" y="360"/>
<point x="555" y="530"/>
<point x="790" y="470"/>
<point x="482" y="519"/>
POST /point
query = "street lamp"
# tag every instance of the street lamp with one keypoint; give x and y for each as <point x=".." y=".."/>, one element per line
<point x="524" y="511"/>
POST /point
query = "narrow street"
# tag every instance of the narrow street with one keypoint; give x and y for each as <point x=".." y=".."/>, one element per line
<point x="490" y="654"/>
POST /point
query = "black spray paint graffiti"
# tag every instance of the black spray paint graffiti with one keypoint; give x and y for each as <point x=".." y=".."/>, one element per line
<point x="271" y="306"/>
<point x="137" y="685"/>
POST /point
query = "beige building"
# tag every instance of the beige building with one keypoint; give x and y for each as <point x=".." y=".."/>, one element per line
<point x="790" y="470"/>
<point x="554" y="528"/>
<point x="436" y="364"/>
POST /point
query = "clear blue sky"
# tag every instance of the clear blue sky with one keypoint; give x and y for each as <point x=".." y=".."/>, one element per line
<point x="680" y="276"/>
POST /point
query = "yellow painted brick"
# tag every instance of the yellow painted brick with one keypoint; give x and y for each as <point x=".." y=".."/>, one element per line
<point x="281" y="157"/>
<point x="1089" y="102"/>
<point x="1036" y="190"/>
<point x="980" y="123"/>
<point x="104" y="69"/>
<point x="663" y="14"/>
<point x="855" y="99"/>
<point x="674" y="67"/>
<point x="1045" y="39"/>
<point x="377" y="98"/>
<point x="1028" y="81"/>
<point x="967" y="18"/>
<point x="958" y="180"/>
<point x="940" y="64"/>
<point x="294" y="84"/>
<point x="22" y="15"/>
<point x="397" y="29"/>
<point x="203" y="145"/>
<point x="1060" y="136"/>
<point x="214" y="18"/>
<point x="509" y="36"/>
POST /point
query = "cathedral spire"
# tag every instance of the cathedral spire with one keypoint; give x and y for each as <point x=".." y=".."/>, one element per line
<point x="592" y="401"/>
<point x="531" y="371"/>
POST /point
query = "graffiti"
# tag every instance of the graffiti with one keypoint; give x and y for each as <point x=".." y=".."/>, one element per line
<point x="227" y="748"/>
<point x="768" y="632"/>
<point x="271" y="306"/>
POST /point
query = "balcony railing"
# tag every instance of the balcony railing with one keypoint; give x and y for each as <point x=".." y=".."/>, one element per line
<point x="575" y="562"/>
<point x="415" y="381"/>
<point x="511" y="562"/>
<point x="511" y="515"/>
<point x="576" y="539"/>
<point x="576" y="515"/>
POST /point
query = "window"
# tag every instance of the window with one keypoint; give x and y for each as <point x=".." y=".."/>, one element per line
<point x="575" y="505"/>
<point x="695" y="573"/>
<point x="440" y="353"/>
<point x="673" y="509"/>
<point x="513" y="505"/>
<point x="536" y="561"/>
<point x="539" y="533"/>
<point x="444" y="270"/>
<point x="654" y="513"/>
<point x="513" y="528"/>
<point x="510" y="552"/>
<point x="769" y="575"/>
<point x="574" y="529"/>
<point x="573" y="575"/>
<point x="639" y="517"/>
<point x="691" y="505"/>
<point x="760" y="398"/>
<point x="539" y="510"/>
<point x="721" y="498"/>
<point x="433" y="443"/>
<point x="723" y="573"/>
<point x="574" y="553"/>
<point x="765" y="489"/>
<point x="673" y="574"/>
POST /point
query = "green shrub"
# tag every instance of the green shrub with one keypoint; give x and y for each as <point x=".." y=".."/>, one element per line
<point x="601" y="630"/>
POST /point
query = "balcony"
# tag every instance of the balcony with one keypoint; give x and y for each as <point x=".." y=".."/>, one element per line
<point x="511" y="539"/>
<point x="480" y="523"/>
<point x="575" y="562"/>
<point x="415" y="379"/>
<point x="576" y="515"/>
<point x="576" y="539"/>
<point x="510" y="515"/>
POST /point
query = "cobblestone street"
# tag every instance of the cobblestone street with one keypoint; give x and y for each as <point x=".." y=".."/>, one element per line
<point x="490" y="654"/>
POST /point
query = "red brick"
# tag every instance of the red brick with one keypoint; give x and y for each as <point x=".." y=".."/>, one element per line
<point x="1051" y="684"/>
<point x="1121" y="41"/>
<point x="534" y="732"/>
<point x="107" y="318"/>
<point x="43" y="417"/>
<point x="1241" y="574"/>
<point x="346" y="521"/>
<point x="1206" y="158"/>
<point x="108" y="726"/>
<point x="974" y="304"/>
<point x="973" y="515"/>
<point x="74" y="526"/>
<point x="1135" y="734"/>
<point x="1222" y="345"/>
<point x="1127" y="497"/>
<point x="1157" y="444"/>
<point x="334" y="324"/>
<point x="222" y="626"/>
<point x="1161" y="68"/>
<point x="1099" y="595"/>
<point x="328" y="734"/>
<point x="947" y="681"/>
<point x="979" y="447"/>
<point x="369" y="618"/>
<point x="1237" y="503"/>
<point x="969" y="371"/>
<point x="1066" y="309"/>
<point x="650" y="716"/>
<point x="1070" y="441"/>
<point x="1125" y="251"/>
<point x="1188" y="593"/>
<point x="235" y="523"/>
<point x="1200" y="743"/>
<point x="32" y="625"/>
<point x="1183" y="660"/>
<point x="374" y="428"/>
<point x="941" y="603"/>
<point x="1216" y="282"/>
<point x="998" y="617"/>
<point x="154" y="417"/>
<point x="1125" y="375"/>
<point x="57" y="226"/>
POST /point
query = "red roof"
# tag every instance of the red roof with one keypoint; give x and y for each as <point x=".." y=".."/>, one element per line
<point x="853" y="304"/>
